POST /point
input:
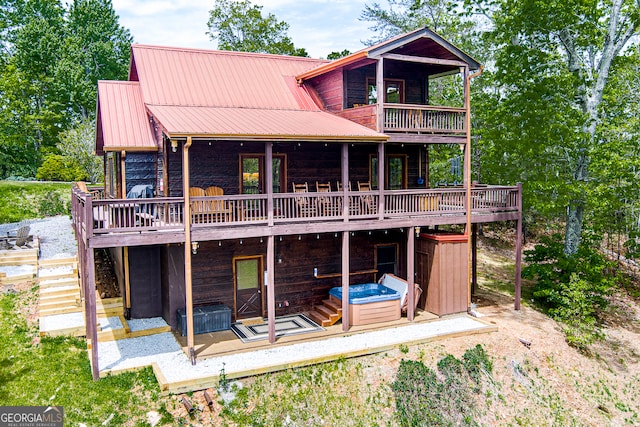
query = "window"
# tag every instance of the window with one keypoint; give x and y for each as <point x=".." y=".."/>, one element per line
<point x="252" y="173"/>
<point x="110" y="178"/>
<point x="395" y="171"/>
<point x="394" y="91"/>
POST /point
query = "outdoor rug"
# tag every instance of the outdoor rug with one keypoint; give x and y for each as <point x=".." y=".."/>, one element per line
<point x="285" y="325"/>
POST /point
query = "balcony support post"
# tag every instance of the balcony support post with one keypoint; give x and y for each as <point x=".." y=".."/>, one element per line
<point x="345" y="281"/>
<point x="271" y="297"/>
<point x="187" y="251"/>
<point x="268" y="180"/>
<point x="345" y="181"/>
<point x="518" y="250"/>
<point x="380" y="94"/>
<point x="381" y="183"/>
<point x="411" y="256"/>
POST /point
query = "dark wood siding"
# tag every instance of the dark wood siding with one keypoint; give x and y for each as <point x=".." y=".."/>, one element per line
<point x="144" y="279"/>
<point x="173" y="287"/>
<point x="296" y="287"/>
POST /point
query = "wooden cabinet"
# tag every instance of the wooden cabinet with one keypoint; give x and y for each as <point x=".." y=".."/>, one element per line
<point x="442" y="267"/>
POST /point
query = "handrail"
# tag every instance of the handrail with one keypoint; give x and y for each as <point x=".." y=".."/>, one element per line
<point x="167" y="213"/>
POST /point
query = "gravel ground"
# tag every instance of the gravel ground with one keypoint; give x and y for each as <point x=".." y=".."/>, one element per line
<point x="175" y="366"/>
<point x="56" y="239"/>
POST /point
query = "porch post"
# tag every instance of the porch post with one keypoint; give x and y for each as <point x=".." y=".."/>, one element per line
<point x="411" y="257"/>
<point x="380" y="94"/>
<point x="518" y="250"/>
<point x="271" y="291"/>
<point x="268" y="171"/>
<point x="381" y="183"/>
<point x="345" y="281"/>
<point x="345" y="181"/>
<point x="187" y="250"/>
<point x="89" y="288"/>
<point x="467" y="176"/>
<point x="474" y="258"/>
<point x="123" y="174"/>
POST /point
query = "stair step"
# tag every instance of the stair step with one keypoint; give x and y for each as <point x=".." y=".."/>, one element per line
<point x="52" y="311"/>
<point x="333" y="305"/>
<point x="327" y="313"/>
<point x="319" y="319"/>
<point x="71" y="297"/>
<point x="59" y="282"/>
<point x="58" y="290"/>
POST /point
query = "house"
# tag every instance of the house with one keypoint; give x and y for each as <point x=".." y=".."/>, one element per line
<point x="278" y="178"/>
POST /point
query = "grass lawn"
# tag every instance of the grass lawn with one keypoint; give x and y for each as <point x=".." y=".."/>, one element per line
<point x="56" y="371"/>
<point x="25" y="200"/>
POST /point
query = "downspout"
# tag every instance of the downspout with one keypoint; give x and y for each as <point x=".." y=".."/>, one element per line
<point x="187" y="250"/>
<point x="123" y="175"/>
<point x="467" y="177"/>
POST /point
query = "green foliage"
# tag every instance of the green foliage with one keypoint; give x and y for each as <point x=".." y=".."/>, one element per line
<point x="28" y="200"/>
<point x="77" y="144"/>
<point x="425" y="398"/>
<point x="338" y="55"/>
<point x="60" y="168"/>
<point x="572" y="288"/>
<point x="240" y="26"/>
<point x="56" y="371"/>
<point x="53" y="56"/>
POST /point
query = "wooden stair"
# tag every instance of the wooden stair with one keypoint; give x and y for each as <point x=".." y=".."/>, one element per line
<point x="326" y="314"/>
<point x="59" y="291"/>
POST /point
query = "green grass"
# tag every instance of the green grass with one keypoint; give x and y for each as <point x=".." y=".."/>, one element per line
<point x="21" y="200"/>
<point x="56" y="371"/>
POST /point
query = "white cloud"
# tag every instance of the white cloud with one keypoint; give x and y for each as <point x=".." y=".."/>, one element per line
<point x="319" y="26"/>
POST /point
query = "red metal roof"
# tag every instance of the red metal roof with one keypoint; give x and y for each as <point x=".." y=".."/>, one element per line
<point x="259" y="124"/>
<point x="123" y="123"/>
<point x="210" y="78"/>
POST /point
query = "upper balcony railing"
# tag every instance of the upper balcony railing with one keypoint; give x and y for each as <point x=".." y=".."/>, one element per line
<point x="422" y="118"/>
<point x="93" y="216"/>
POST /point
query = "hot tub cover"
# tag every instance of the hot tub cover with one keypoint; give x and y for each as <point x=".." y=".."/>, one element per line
<point x="366" y="292"/>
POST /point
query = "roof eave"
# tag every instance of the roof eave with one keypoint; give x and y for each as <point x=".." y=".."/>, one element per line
<point x="276" y="138"/>
<point x="334" y="65"/>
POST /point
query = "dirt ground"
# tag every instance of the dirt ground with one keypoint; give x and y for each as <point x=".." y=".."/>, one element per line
<point x="538" y="379"/>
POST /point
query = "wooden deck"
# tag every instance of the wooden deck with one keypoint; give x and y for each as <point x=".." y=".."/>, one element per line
<point x="162" y="220"/>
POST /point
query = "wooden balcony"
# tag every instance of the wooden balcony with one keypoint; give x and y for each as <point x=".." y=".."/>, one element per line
<point x="299" y="212"/>
<point x="424" y="119"/>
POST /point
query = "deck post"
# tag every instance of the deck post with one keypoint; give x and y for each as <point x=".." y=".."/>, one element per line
<point x="474" y="258"/>
<point x="345" y="281"/>
<point x="187" y="251"/>
<point x="271" y="297"/>
<point x="518" y="290"/>
<point x="411" y="257"/>
<point x="268" y="182"/>
<point x="467" y="176"/>
<point x="91" y="317"/>
<point x="345" y="181"/>
<point x="381" y="183"/>
<point x="380" y="92"/>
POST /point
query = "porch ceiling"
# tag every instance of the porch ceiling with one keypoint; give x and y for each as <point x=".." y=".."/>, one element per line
<point x="252" y="123"/>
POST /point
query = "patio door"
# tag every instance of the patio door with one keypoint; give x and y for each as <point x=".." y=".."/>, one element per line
<point x="248" y="285"/>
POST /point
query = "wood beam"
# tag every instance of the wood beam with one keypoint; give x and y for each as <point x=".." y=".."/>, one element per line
<point x="187" y="251"/>
<point x="408" y="138"/>
<point x="91" y="317"/>
<point x="381" y="182"/>
<point x="380" y="95"/>
<point x="123" y="175"/>
<point x="518" y="290"/>
<point x="411" y="272"/>
<point x="345" y="282"/>
<point x="344" y="165"/>
<point x="474" y="258"/>
<point x="268" y="182"/>
<point x="271" y="289"/>
<point x="467" y="176"/>
<point x="425" y="60"/>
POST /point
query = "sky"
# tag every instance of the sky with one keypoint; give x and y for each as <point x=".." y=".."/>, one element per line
<point x="319" y="26"/>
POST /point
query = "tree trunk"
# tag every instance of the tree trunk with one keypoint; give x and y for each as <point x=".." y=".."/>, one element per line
<point x="573" y="231"/>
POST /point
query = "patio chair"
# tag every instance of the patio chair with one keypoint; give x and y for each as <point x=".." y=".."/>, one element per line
<point x="367" y="203"/>
<point x="326" y="204"/>
<point x="219" y="208"/>
<point x="21" y="238"/>
<point x="304" y="206"/>
<point x="198" y="207"/>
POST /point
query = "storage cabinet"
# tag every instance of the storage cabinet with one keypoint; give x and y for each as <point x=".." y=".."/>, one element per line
<point x="209" y="318"/>
<point x="442" y="267"/>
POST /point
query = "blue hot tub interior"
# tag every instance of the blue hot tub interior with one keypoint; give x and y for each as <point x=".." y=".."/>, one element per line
<point x="366" y="292"/>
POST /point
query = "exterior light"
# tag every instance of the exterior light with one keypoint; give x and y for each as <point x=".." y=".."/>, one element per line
<point x="174" y="145"/>
<point x="194" y="247"/>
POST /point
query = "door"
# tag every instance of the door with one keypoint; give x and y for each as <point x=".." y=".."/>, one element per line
<point x="386" y="260"/>
<point x="247" y="272"/>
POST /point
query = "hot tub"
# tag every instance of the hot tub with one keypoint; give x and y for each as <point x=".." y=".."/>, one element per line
<point x="370" y="303"/>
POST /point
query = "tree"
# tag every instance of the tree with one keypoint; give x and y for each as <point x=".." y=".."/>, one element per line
<point x="240" y="26"/>
<point x="51" y="57"/>
<point x="564" y="51"/>
<point x="77" y="143"/>
<point x="338" y="55"/>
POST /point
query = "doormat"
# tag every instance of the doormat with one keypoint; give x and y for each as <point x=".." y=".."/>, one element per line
<point x="285" y="325"/>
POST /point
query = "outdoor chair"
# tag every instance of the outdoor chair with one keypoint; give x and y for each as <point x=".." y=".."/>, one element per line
<point x="303" y="204"/>
<point x="367" y="202"/>
<point x="326" y="204"/>
<point x="219" y="208"/>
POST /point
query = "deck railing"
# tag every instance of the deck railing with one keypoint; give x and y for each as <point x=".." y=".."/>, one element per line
<point x="422" y="118"/>
<point x="93" y="216"/>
